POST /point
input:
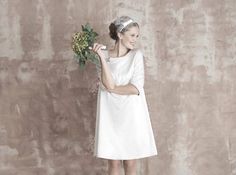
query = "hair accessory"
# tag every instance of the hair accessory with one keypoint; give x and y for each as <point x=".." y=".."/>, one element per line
<point x="125" y="24"/>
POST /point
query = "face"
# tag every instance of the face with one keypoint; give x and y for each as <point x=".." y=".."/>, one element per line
<point x="128" y="39"/>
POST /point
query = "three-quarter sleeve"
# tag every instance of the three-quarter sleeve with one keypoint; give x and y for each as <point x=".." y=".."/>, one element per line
<point x="138" y="75"/>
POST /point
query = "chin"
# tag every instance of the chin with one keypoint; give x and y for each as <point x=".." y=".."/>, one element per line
<point x="131" y="47"/>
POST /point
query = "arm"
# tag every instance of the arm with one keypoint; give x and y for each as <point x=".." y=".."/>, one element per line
<point x="136" y="84"/>
<point x="108" y="81"/>
<point x="106" y="77"/>
<point x="128" y="89"/>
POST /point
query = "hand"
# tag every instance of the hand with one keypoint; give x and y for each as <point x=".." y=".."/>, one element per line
<point x="97" y="48"/>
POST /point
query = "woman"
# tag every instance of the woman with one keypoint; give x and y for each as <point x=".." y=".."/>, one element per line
<point x="123" y="127"/>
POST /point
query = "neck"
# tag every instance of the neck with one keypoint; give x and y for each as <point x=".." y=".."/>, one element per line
<point x="120" y="50"/>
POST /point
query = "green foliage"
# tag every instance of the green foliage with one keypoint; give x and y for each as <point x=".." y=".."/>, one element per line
<point x="81" y="41"/>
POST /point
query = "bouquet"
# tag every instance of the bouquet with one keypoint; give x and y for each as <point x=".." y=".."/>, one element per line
<point x="82" y="43"/>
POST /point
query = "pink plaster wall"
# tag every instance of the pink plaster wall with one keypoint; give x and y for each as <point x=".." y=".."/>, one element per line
<point x="47" y="104"/>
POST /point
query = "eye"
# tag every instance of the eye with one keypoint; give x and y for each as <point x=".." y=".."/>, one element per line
<point x="133" y="35"/>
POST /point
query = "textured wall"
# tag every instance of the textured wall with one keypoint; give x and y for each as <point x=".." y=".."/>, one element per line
<point x="47" y="105"/>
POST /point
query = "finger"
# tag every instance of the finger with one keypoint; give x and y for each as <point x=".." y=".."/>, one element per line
<point x="97" y="47"/>
<point x="94" y="45"/>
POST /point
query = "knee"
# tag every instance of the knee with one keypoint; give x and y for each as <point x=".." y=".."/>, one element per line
<point x="114" y="163"/>
<point x="129" y="164"/>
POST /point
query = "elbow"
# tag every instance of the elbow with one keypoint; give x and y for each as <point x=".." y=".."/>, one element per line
<point x="137" y="88"/>
<point x="110" y="87"/>
<point x="137" y="92"/>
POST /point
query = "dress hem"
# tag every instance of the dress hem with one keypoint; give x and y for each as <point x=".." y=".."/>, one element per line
<point x="130" y="158"/>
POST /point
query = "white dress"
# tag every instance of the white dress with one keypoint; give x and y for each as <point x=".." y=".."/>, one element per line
<point x="123" y="127"/>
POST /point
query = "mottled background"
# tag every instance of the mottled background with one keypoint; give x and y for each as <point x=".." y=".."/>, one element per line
<point x="47" y="104"/>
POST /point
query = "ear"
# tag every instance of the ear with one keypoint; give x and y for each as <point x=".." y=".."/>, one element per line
<point x="119" y="35"/>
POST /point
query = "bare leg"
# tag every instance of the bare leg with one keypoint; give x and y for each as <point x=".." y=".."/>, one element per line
<point x="114" y="167"/>
<point x="130" y="167"/>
